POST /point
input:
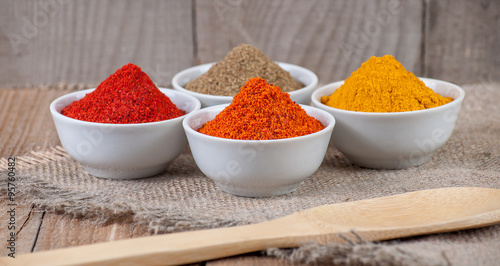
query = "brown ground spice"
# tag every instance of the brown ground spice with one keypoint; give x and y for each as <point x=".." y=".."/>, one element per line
<point x="243" y="62"/>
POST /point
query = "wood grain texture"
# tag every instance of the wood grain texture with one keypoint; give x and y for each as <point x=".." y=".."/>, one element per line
<point x="46" y="42"/>
<point x="59" y="231"/>
<point x="332" y="38"/>
<point x="462" y="40"/>
<point x="51" y="41"/>
<point x="26" y="224"/>
<point x="20" y="133"/>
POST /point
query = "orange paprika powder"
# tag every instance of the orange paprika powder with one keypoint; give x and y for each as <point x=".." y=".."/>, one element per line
<point x="128" y="96"/>
<point x="261" y="111"/>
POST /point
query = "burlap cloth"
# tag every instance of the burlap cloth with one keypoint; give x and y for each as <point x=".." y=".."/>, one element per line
<point x="182" y="198"/>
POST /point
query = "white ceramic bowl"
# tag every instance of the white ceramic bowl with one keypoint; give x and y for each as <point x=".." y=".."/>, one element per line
<point x="257" y="168"/>
<point x="300" y="96"/>
<point x="393" y="140"/>
<point x="123" y="151"/>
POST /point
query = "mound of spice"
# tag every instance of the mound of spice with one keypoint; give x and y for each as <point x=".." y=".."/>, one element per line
<point x="382" y="84"/>
<point x="126" y="97"/>
<point x="226" y="77"/>
<point x="260" y="112"/>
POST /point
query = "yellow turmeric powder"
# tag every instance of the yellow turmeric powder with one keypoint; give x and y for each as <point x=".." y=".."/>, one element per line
<point x="382" y="84"/>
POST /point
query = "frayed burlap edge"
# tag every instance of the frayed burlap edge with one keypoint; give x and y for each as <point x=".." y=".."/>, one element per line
<point x="100" y="208"/>
<point x="353" y="253"/>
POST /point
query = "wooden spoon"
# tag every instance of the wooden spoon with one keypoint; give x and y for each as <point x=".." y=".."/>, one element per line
<point x="403" y="215"/>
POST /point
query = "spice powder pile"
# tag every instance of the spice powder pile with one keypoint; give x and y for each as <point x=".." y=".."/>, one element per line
<point x="261" y="111"/>
<point x="126" y="97"/>
<point x="226" y="77"/>
<point x="382" y="84"/>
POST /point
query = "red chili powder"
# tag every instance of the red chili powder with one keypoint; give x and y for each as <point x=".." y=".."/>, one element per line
<point x="126" y="97"/>
<point x="261" y="111"/>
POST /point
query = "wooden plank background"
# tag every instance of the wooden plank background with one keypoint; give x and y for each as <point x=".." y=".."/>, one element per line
<point x="54" y="41"/>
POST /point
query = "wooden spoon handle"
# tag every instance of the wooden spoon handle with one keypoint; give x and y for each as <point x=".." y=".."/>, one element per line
<point x="171" y="249"/>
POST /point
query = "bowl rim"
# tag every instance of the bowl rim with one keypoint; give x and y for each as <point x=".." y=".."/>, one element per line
<point x="177" y="86"/>
<point x="329" y="127"/>
<point x="57" y="114"/>
<point x="456" y="101"/>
